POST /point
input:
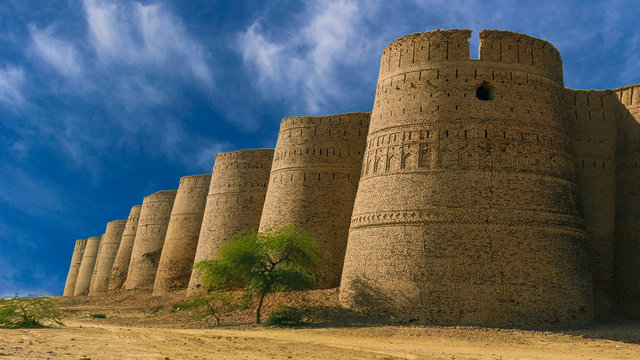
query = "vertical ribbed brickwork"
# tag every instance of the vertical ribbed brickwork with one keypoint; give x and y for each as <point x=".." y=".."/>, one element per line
<point x="236" y="197"/>
<point x="147" y="247"/>
<point x="76" y="261"/>
<point x="181" y="241"/>
<point x="627" y="272"/>
<point x="106" y="256"/>
<point x="314" y="178"/>
<point x="83" y="281"/>
<point x="120" y="266"/>
<point x="593" y="116"/>
<point x="466" y="211"/>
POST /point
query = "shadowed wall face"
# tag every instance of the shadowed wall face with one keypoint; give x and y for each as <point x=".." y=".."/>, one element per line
<point x="76" y="261"/>
<point x="593" y="116"/>
<point x="120" y="266"/>
<point x="627" y="252"/>
<point x="314" y="178"/>
<point x="107" y="254"/>
<point x="152" y="228"/>
<point x="466" y="209"/>
<point x="181" y="241"/>
<point x="234" y="203"/>
<point x="85" y="273"/>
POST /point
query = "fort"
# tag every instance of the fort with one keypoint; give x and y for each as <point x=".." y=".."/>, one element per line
<point x="147" y="247"/>
<point x="313" y="181"/>
<point x="234" y="203"/>
<point x="106" y="256"/>
<point x="476" y="192"/>
<point x="120" y="266"/>
<point x="181" y="241"/>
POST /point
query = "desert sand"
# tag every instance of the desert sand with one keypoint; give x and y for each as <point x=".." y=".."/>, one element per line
<point x="140" y="326"/>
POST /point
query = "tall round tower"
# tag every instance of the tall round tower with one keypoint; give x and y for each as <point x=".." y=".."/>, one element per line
<point x="121" y="263"/>
<point x="466" y="210"/>
<point x="147" y="247"/>
<point x="83" y="282"/>
<point x="76" y="261"/>
<point x="314" y="178"/>
<point x="181" y="241"/>
<point x="627" y="252"/>
<point x="236" y="196"/>
<point x="107" y="254"/>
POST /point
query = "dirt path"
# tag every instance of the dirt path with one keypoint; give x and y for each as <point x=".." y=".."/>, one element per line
<point x="88" y="340"/>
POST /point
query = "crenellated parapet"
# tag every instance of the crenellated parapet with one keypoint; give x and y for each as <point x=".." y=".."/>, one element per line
<point x="425" y="49"/>
<point x="537" y="56"/>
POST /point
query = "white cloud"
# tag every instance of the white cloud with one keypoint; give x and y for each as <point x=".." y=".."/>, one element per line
<point x="143" y="35"/>
<point x="304" y="63"/>
<point x="11" y="83"/>
<point x="58" y="53"/>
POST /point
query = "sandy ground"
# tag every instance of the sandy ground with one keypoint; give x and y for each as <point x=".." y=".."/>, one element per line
<point x="133" y="331"/>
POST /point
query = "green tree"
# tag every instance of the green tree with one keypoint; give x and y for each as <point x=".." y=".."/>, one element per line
<point x="279" y="259"/>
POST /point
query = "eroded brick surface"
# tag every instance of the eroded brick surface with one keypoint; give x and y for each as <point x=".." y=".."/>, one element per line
<point x="181" y="242"/>
<point x="147" y="247"/>
<point x="234" y="203"/>
<point x="314" y="178"/>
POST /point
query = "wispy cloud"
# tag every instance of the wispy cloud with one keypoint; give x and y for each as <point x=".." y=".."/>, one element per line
<point x="11" y="83"/>
<point x="149" y="35"/>
<point x="307" y="64"/>
<point x="58" y="53"/>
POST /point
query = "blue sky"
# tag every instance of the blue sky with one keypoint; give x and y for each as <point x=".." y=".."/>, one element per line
<point x="103" y="102"/>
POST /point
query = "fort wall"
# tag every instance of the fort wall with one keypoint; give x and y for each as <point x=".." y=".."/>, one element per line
<point x="234" y="203"/>
<point x="106" y="256"/>
<point x="150" y="235"/>
<point x="593" y="117"/>
<point x="314" y="178"/>
<point x="76" y="261"/>
<point x="181" y="242"/>
<point x="85" y="272"/>
<point x="627" y="246"/>
<point x="466" y="211"/>
<point x="120" y="266"/>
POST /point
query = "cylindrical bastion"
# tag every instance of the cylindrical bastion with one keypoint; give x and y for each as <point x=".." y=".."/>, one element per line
<point x="85" y="273"/>
<point x="120" y="266"/>
<point x="76" y="261"/>
<point x="181" y="241"/>
<point x="466" y="210"/>
<point x="107" y="254"/>
<point x="147" y="247"/>
<point x="234" y="204"/>
<point x="314" y="178"/>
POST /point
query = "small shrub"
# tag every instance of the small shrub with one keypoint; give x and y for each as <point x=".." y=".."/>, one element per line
<point x="21" y="313"/>
<point x="98" y="316"/>
<point x="287" y="316"/>
<point x="214" y="304"/>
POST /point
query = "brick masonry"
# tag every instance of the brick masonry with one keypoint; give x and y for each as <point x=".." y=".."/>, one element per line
<point x="120" y="266"/>
<point x="181" y="242"/>
<point x="234" y="203"/>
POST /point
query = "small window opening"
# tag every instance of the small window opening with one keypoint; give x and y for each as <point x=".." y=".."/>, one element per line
<point x="484" y="92"/>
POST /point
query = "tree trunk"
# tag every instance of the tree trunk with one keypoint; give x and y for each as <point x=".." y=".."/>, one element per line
<point x="262" y="294"/>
